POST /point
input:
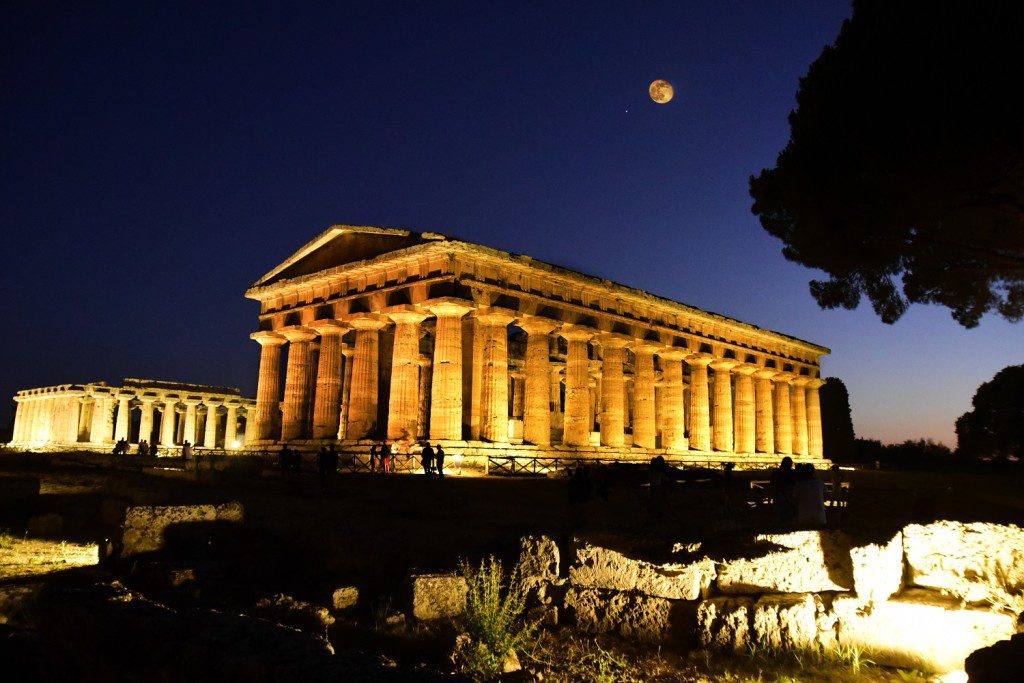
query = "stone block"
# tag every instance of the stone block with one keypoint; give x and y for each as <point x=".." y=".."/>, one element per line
<point x="793" y="622"/>
<point x="724" y="623"/>
<point x="145" y="527"/>
<point x="596" y="566"/>
<point x="920" y="629"/>
<point x="878" y="569"/>
<point x="634" y="616"/>
<point x="304" y="616"/>
<point x="48" y="524"/>
<point x="795" y="562"/>
<point x="538" y="559"/>
<point x="438" y="596"/>
<point x="344" y="598"/>
<point x="974" y="561"/>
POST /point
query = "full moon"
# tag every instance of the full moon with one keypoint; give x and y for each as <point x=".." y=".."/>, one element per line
<point x="661" y="91"/>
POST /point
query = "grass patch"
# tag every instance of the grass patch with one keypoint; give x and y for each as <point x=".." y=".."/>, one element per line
<point x="7" y="539"/>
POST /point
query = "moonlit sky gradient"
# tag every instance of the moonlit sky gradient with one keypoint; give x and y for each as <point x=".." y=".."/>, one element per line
<point x="157" y="158"/>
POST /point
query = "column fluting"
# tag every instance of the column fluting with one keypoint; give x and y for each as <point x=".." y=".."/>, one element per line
<point x="363" y="396"/>
<point x="296" y="383"/>
<point x="446" y="382"/>
<point x="673" y="411"/>
<point x="327" y="401"/>
<point x="745" y="413"/>
<point x="764" y="421"/>
<point x="798" y="413"/>
<point x="644" y="427"/>
<point x="814" y="440"/>
<point x="613" y="389"/>
<point x="700" y="415"/>
<point x="537" y="383"/>
<point x="268" y="388"/>
<point x="494" y="375"/>
<point x="783" y="419"/>
<point x="577" y="425"/>
<point x="403" y="401"/>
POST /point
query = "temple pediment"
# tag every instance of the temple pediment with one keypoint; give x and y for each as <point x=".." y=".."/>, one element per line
<point x="341" y="244"/>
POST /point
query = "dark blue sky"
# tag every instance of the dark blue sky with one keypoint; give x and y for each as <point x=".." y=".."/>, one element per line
<point x="156" y="159"/>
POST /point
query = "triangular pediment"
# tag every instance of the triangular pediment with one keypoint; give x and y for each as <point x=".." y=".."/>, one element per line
<point x="341" y="244"/>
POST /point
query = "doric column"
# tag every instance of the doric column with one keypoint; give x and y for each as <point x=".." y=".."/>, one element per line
<point x="19" y="420"/>
<point x="446" y="382"/>
<point x="644" y="426"/>
<point x="798" y="413"/>
<point x="210" y="433"/>
<point x="97" y="432"/>
<point x="123" y="416"/>
<point x="190" y="420"/>
<point x="346" y="389"/>
<point x="518" y="396"/>
<point x="403" y="402"/>
<point x="426" y="371"/>
<point x="700" y="418"/>
<point x="577" y="425"/>
<point x="673" y="412"/>
<point x="537" y="383"/>
<point x="146" y="418"/>
<point x="745" y="441"/>
<point x="494" y="377"/>
<point x="327" y="402"/>
<point x="268" y="388"/>
<point x="473" y="363"/>
<point x="362" y="409"/>
<point x="764" y="421"/>
<point x="296" y="383"/>
<point x="814" y="441"/>
<point x="722" y="418"/>
<point x="167" y="421"/>
<point x="613" y="389"/>
<point x="783" y="421"/>
<point x="230" y="424"/>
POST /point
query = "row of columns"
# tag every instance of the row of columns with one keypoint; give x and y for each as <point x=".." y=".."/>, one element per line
<point x="751" y="408"/>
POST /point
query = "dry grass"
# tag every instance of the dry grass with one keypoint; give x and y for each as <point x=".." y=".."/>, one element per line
<point x="32" y="556"/>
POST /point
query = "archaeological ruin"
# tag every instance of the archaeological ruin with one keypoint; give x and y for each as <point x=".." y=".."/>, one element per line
<point x="398" y="335"/>
<point x="96" y="415"/>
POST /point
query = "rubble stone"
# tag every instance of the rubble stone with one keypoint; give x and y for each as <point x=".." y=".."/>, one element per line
<point x="344" y="598"/>
<point x="438" y="596"/>
<point x="793" y="622"/>
<point x="632" y="615"/>
<point x="878" y="569"/>
<point x="538" y="559"/>
<point x="599" y="567"/>
<point x="145" y="526"/>
<point x="724" y="623"/>
<point x="795" y="562"/>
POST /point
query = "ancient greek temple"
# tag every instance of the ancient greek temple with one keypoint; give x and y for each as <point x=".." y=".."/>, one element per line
<point x="96" y="415"/>
<point x="404" y="336"/>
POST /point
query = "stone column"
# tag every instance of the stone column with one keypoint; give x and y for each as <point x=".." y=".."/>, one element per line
<point x="268" y="388"/>
<point x="764" y="422"/>
<point x="346" y="390"/>
<point x="146" y="418"/>
<point x="403" y="403"/>
<point x="613" y="390"/>
<point x="518" y="395"/>
<point x="230" y="425"/>
<point x="123" y="424"/>
<point x="327" y="401"/>
<point x="577" y="423"/>
<point x="210" y="433"/>
<point x="722" y="418"/>
<point x="190" y="420"/>
<point x="74" y="410"/>
<point x="472" y="381"/>
<point x="99" y="416"/>
<point x="19" y="420"/>
<point x="362" y="408"/>
<point x="798" y="413"/>
<point x="167" y="422"/>
<point x="783" y="421"/>
<point x="494" y="377"/>
<point x="745" y="413"/>
<point x="537" y="382"/>
<point x="645" y="430"/>
<point x="446" y="382"/>
<point x="296" y="383"/>
<point x="700" y="419"/>
<point x="814" y="440"/>
<point x="673" y="412"/>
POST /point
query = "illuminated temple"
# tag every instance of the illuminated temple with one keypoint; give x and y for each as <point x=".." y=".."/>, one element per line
<point x="370" y="334"/>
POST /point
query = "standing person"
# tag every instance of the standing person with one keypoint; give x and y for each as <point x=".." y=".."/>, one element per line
<point x="385" y="457"/>
<point x="439" y="461"/>
<point x="186" y="450"/>
<point x="784" y="492"/>
<point x="427" y="459"/>
<point x="373" y="459"/>
<point x="810" y="497"/>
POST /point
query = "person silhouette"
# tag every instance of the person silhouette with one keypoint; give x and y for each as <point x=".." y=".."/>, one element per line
<point x="427" y="458"/>
<point x="439" y="461"/>
<point x="373" y="459"/>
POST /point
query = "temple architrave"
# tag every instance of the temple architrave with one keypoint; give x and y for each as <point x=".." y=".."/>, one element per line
<point x="96" y="415"/>
<point x="404" y="336"/>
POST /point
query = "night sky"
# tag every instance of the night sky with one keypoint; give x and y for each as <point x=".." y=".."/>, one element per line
<point x="156" y="159"/>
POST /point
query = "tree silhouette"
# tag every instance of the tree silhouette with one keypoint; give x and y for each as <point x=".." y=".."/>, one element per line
<point x="837" y="423"/>
<point x="903" y="178"/>
<point x="994" y="428"/>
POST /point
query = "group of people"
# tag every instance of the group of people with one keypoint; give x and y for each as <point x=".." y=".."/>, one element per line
<point x="432" y="460"/>
<point x="798" y="495"/>
<point x="122" y="447"/>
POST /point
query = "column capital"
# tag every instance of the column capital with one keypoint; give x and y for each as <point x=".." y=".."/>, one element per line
<point x="213" y="402"/>
<point x="612" y="340"/>
<point x="801" y="380"/>
<point x="576" y="332"/>
<point x="367" y="321"/>
<point x="532" y="324"/>
<point x="745" y="369"/>
<point x="267" y="338"/>
<point x="405" y="314"/>
<point x="447" y="306"/>
<point x="765" y="373"/>
<point x="815" y="383"/>
<point x="784" y="377"/>
<point x="493" y="315"/>
<point x="297" y="333"/>
<point x="673" y="353"/>
<point x="125" y="395"/>
<point x="699" y="359"/>
<point x="644" y="346"/>
<point x="723" y="364"/>
<point x="329" y="327"/>
<point x="192" y="400"/>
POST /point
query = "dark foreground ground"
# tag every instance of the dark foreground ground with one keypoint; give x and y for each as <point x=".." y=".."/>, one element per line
<point x="304" y="539"/>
